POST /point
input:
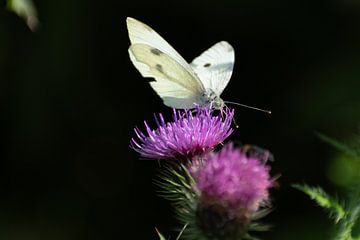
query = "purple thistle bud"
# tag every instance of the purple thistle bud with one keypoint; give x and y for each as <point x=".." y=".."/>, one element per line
<point x="233" y="179"/>
<point x="232" y="186"/>
<point x="192" y="132"/>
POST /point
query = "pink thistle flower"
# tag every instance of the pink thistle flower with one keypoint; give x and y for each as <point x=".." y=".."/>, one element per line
<point x="190" y="133"/>
<point x="233" y="180"/>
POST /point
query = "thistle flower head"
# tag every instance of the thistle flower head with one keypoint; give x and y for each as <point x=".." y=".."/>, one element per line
<point x="233" y="180"/>
<point x="191" y="132"/>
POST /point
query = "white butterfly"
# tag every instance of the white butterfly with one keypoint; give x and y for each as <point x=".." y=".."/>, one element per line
<point x="178" y="83"/>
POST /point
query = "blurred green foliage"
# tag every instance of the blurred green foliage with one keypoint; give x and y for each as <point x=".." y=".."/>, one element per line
<point x="26" y="10"/>
<point x="336" y="210"/>
<point x="347" y="213"/>
<point x="344" y="168"/>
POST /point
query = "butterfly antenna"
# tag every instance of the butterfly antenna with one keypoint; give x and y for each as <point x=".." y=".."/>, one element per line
<point x="247" y="106"/>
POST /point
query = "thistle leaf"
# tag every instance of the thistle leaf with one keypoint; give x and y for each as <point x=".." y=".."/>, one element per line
<point x="324" y="200"/>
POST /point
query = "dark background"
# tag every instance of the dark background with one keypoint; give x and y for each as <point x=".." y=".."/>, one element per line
<point x="70" y="98"/>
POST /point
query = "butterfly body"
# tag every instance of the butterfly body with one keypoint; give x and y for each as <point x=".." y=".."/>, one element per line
<point x="178" y="83"/>
<point x="210" y="98"/>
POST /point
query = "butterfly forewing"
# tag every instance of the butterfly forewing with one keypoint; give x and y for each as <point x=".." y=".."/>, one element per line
<point x="173" y="82"/>
<point x="142" y="33"/>
<point x="176" y="83"/>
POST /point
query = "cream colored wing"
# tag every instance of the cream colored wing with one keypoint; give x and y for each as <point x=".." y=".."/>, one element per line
<point x="142" y="33"/>
<point x="178" y="87"/>
<point x="214" y="66"/>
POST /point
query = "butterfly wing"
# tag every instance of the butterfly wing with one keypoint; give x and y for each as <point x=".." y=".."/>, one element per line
<point x="214" y="66"/>
<point x="176" y="83"/>
<point x="142" y="33"/>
